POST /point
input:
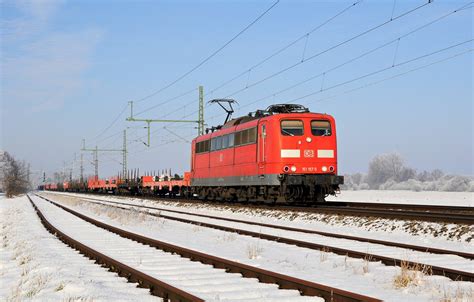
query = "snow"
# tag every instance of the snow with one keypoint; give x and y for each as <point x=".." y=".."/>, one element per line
<point x="409" y="197"/>
<point x="196" y="278"/>
<point x="34" y="265"/>
<point x="358" y="275"/>
<point x="430" y="234"/>
<point x="447" y="261"/>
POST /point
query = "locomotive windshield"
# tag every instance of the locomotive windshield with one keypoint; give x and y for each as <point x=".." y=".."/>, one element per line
<point x="320" y="128"/>
<point x="292" y="127"/>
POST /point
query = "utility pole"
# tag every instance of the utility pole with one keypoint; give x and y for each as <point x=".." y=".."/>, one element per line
<point x="73" y="167"/>
<point x="82" y="167"/>
<point x="201" y="111"/>
<point x="200" y="120"/>
<point x="28" y="176"/>
<point x="124" y="159"/>
<point x="96" y="162"/>
<point x="96" y="151"/>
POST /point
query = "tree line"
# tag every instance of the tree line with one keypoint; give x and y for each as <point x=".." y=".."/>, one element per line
<point x="390" y="172"/>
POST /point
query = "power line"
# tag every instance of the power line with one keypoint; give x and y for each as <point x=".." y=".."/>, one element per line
<point x="324" y="73"/>
<point x="284" y="47"/>
<point x="342" y="43"/>
<point x="396" y="75"/>
<point x="189" y="72"/>
<point x="328" y="49"/>
<point x="111" y="124"/>
<point x="112" y="135"/>
<point x="167" y="101"/>
<point x="387" y="78"/>
<point x="380" y="70"/>
<point x="211" y="55"/>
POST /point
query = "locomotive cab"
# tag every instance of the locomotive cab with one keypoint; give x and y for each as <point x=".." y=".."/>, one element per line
<point x="307" y="144"/>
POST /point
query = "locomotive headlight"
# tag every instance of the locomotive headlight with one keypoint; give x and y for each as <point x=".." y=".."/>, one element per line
<point x="293" y="169"/>
<point x="324" y="168"/>
<point x="286" y="169"/>
<point x="308" y="139"/>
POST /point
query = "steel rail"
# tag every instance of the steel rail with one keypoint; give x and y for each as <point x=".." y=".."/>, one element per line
<point x="397" y="214"/>
<point x="286" y="228"/>
<point x="157" y="287"/>
<point x="453" y="274"/>
<point x="396" y="211"/>
<point x="305" y="287"/>
<point x="401" y="206"/>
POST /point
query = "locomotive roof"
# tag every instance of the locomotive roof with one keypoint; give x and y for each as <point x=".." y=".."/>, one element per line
<point x="273" y="110"/>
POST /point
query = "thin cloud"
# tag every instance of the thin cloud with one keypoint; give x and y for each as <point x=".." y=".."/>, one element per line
<point x="43" y="68"/>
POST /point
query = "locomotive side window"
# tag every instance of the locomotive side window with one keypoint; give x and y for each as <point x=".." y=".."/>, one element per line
<point x="199" y="147"/>
<point x="321" y="128"/>
<point x="214" y="144"/>
<point x="225" y="141"/>
<point x="245" y="137"/>
<point x="231" y="139"/>
<point x="252" y="135"/>
<point x="292" y="128"/>
<point x="203" y="146"/>
<point x="218" y="142"/>
<point x="238" y="138"/>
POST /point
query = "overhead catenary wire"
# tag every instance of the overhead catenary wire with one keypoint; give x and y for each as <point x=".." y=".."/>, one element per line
<point x="396" y="75"/>
<point x="190" y="71"/>
<point x="279" y="51"/>
<point x="111" y="124"/>
<point x="208" y="57"/>
<point x="247" y="86"/>
<point x="167" y="101"/>
<point x="372" y="50"/>
<point x="380" y="70"/>
<point x="282" y="49"/>
<point x="283" y="70"/>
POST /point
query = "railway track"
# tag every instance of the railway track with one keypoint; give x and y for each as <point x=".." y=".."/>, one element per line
<point x="396" y="206"/>
<point x="454" y="274"/>
<point x="199" y="263"/>
<point x="428" y="213"/>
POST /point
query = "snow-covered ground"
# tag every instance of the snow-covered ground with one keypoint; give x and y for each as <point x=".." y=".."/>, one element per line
<point x="199" y="279"/>
<point x="36" y="266"/>
<point x="425" y="197"/>
<point x="358" y="275"/>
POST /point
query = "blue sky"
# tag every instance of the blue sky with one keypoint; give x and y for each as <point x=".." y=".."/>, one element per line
<point x="70" y="67"/>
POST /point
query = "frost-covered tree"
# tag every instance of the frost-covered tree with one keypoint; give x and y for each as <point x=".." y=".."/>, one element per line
<point x="385" y="167"/>
<point x="436" y="174"/>
<point x="357" y="178"/>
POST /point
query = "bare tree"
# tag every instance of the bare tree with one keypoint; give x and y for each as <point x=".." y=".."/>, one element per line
<point x="14" y="175"/>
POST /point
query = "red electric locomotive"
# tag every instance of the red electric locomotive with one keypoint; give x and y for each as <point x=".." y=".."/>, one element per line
<point x="283" y="154"/>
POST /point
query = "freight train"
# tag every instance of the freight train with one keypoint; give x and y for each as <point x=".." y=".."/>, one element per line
<point x="282" y="154"/>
